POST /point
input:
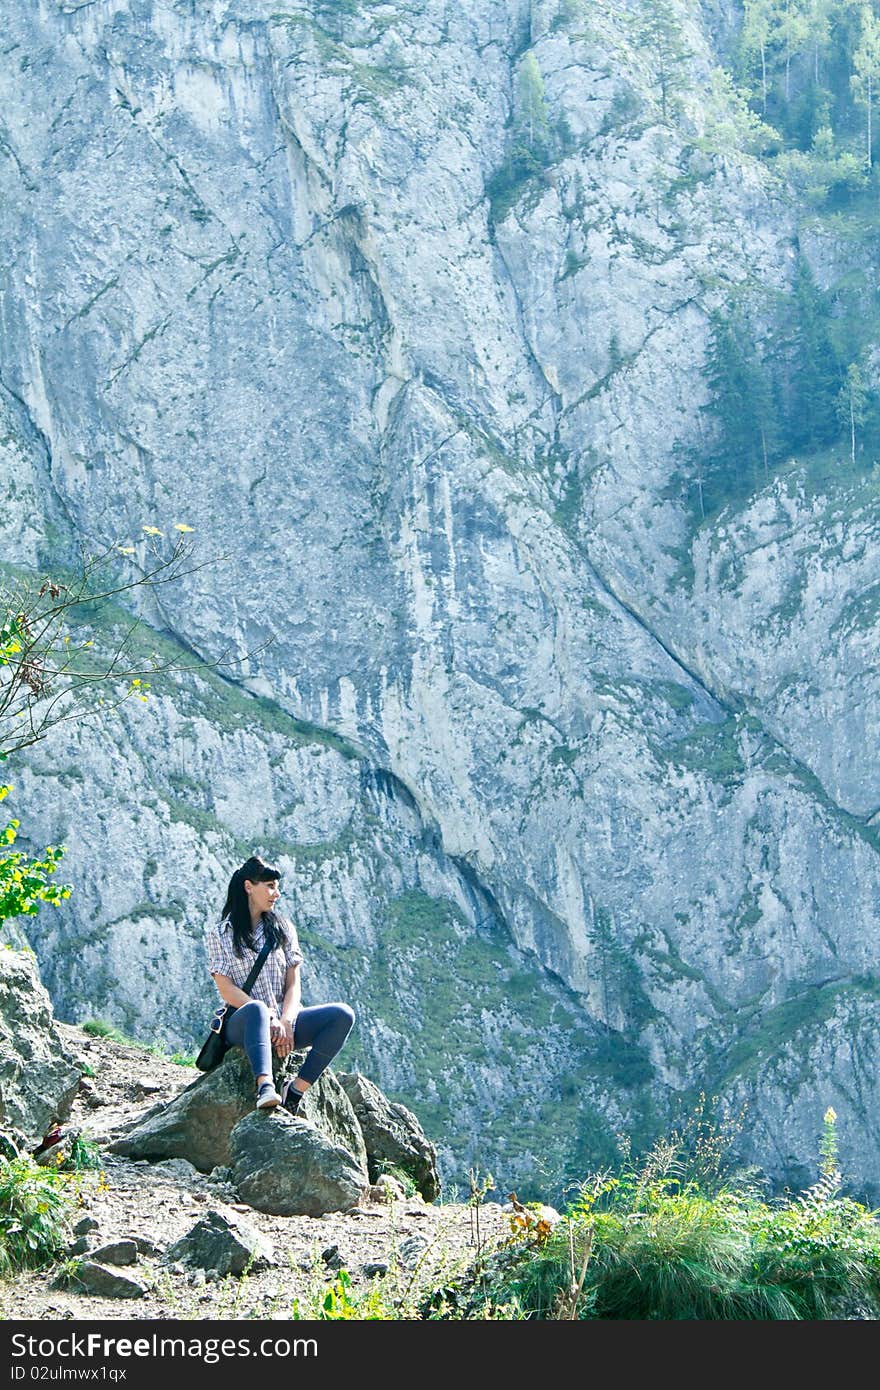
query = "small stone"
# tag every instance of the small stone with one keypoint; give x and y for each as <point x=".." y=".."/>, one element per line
<point x="116" y="1252"/>
<point x="178" y="1168"/>
<point x="225" y="1243"/>
<point x="222" y="1192"/>
<point x="84" y="1225"/>
<point x="96" y="1279"/>
<point x="386" y="1189"/>
<point x="78" y="1247"/>
<point x="374" y="1269"/>
<point x="146" y="1247"/>
<point x="332" y="1258"/>
<point x="411" y="1250"/>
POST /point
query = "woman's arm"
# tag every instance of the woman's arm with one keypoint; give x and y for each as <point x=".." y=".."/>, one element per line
<point x="229" y="992"/>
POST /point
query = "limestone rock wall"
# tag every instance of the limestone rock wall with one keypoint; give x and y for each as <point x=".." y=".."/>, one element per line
<point x="585" y="796"/>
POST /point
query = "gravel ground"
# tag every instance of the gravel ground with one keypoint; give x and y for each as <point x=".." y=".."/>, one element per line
<point x="423" y="1245"/>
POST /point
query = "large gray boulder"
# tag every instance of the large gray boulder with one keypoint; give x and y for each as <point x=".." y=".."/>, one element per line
<point x="197" y="1123"/>
<point x="38" y="1074"/>
<point x="392" y="1135"/>
<point x="289" y="1168"/>
<point x="328" y="1107"/>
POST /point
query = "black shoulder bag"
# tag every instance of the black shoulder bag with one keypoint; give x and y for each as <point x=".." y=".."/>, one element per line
<point x="216" y="1046"/>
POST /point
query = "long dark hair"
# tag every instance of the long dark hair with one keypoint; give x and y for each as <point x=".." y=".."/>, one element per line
<point x="237" y="908"/>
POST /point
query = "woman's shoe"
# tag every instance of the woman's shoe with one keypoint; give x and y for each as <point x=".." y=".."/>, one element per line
<point x="291" y="1097"/>
<point x="267" y="1097"/>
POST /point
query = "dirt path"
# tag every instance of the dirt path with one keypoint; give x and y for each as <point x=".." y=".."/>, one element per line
<point x="422" y="1245"/>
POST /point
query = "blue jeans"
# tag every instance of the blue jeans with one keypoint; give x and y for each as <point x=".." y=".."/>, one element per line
<point x="323" y="1029"/>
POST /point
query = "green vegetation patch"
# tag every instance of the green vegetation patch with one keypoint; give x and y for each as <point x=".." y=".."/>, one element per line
<point x="34" y="1205"/>
<point x="100" y="1028"/>
<point x="713" y="751"/>
<point x="804" y="1013"/>
<point x="470" y="1016"/>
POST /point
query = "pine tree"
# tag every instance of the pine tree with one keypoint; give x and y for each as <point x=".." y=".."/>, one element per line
<point x="815" y="375"/>
<point x="659" y="32"/>
<point x="740" y="407"/>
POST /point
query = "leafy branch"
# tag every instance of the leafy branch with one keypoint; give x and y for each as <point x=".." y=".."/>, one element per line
<point x="50" y="672"/>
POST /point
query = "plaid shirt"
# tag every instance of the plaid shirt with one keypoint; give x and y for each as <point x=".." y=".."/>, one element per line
<point x="269" y="984"/>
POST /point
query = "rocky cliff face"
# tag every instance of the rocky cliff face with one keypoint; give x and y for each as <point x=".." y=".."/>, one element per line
<point x="573" y="796"/>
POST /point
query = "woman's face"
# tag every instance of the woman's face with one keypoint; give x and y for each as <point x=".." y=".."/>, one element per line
<point x="262" y="897"/>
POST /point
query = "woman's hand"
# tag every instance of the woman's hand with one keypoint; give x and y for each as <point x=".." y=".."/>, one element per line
<point x="282" y="1036"/>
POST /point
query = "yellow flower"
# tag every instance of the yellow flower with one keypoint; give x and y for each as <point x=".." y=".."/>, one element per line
<point x="151" y="530"/>
<point x="182" y="526"/>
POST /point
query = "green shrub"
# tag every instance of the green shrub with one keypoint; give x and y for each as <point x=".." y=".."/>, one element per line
<point x="84" y="1155"/>
<point x="818" y="1248"/>
<point x="407" y="1182"/>
<point x="337" y="1301"/>
<point x="33" y="1215"/>
<point x="182" y="1059"/>
<point x="671" y="1255"/>
<point x="99" y="1028"/>
<point x="654" y="1242"/>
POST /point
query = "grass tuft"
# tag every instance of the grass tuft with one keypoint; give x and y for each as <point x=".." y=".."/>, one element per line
<point x="99" y="1028"/>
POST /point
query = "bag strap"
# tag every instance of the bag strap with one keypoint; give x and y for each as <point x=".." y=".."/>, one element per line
<point x="257" y="966"/>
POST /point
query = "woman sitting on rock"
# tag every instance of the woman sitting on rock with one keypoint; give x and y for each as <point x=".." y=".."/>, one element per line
<point x="271" y="1014"/>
